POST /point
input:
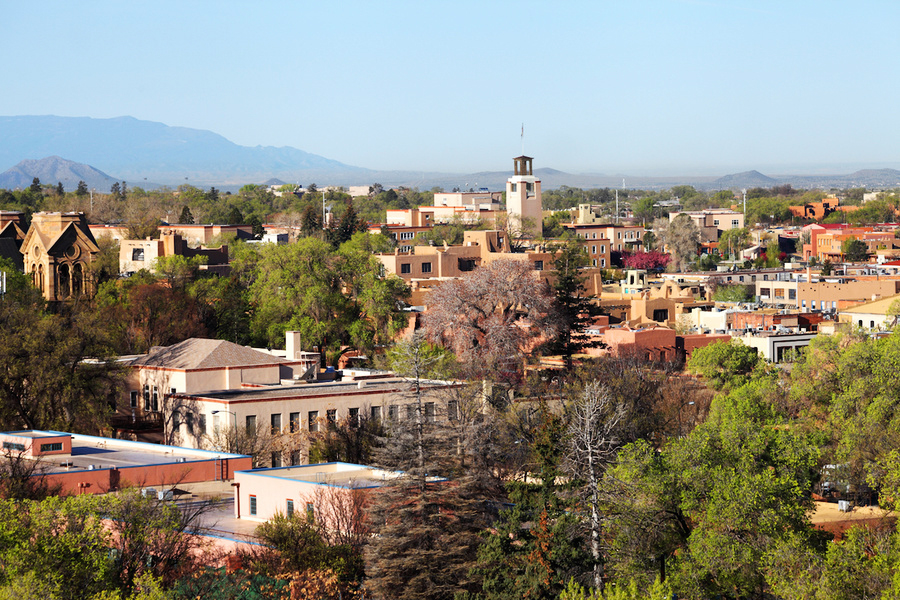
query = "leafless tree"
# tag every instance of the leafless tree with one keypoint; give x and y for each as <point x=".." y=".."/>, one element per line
<point x="342" y="515"/>
<point x="490" y="317"/>
<point x="593" y="441"/>
<point x="25" y="478"/>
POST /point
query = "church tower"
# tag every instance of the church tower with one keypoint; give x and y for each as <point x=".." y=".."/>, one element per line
<point x="523" y="197"/>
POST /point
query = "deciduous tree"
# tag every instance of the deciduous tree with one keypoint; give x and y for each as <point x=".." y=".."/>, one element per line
<point x="491" y="316"/>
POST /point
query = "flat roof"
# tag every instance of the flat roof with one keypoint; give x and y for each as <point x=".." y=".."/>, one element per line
<point x="334" y="474"/>
<point x="106" y="453"/>
<point x="311" y="390"/>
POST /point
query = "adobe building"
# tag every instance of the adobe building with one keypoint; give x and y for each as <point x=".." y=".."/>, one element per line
<point x="135" y="255"/>
<point x="57" y="252"/>
<point x="523" y="196"/>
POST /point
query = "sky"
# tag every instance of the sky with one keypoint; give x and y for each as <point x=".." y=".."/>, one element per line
<point x="643" y="87"/>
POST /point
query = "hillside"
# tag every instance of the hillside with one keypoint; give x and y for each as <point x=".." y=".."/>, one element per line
<point x="53" y="170"/>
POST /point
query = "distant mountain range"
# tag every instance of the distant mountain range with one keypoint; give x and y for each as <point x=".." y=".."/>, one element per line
<point x="149" y="154"/>
<point x="143" y="151"/>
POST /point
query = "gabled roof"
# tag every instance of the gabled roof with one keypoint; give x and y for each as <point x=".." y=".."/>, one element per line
<point x="200" y="353"/>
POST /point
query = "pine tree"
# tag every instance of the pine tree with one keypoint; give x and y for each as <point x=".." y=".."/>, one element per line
<point x="186" y="218"/>
<point x="60" y="191"/>
<point x="82" y="189"/>
<point x="574" y="308"/>
<point x="35" y="185"/>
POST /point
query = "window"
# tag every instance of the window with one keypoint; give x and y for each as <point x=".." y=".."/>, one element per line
<point x="426" y="267"/>
<point x="331" y="417"/>
<point x="275" y="421"/>
<point x="538" y="265"/>
<point x="189" y="422"/>
<point x="250" y="423"/>
<point x="453" y="410"/>
<point x="295" y="457"/>
<point x="792" y="294"/>
<point x="13" y="446"/>
<point x="429" y="412"/>
<point x="146" y="397"/>
<point x="405" y="268"/>
<point x="716" y="222"/>
<point x="661" y="315"/>
<point x="410" y="411"/>
<point x="134" y="399"/>
<point x="276" y="460"/>
<point x="353" y="418"/>
<point x="602" y="249"/>
<point x="512" y="187"/>
<point x="253" y="505"/>
<point x="289" y="509"/>
<point x="735" y="223"/>
<point x="201" y="424"/>
<point x="529" y="187"/>
<point x="594" y="261"/>
<point x="813" y="304"/>
<point x="375" y="413"/>
<point x="466" y="264"/>
<point x="392" y="412"/>
<point x="294" y="418"/>
<point x="619" y="235"/>
<point x="310" y="511"/>
<point x="313" y="420"/>
<point x="51" y="447"/>
<point x="176" y="421"/>
<point x="137" y="254"/>
<point x="215" y="423"/>
<point x="155" y="399"/>
<point x="594" y="249"/>
<point x="603" y="262"/>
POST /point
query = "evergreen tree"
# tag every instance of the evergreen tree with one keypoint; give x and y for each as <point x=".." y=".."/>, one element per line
<point x="35" y="185"/>
<point x="186" y="218"/>
<point x="82" y="189"/>
<point x="574" y="308"/>
<point x="310" y="222"/>
<point x="59" y="188"/>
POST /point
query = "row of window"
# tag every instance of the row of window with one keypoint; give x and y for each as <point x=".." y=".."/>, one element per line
<point x="406" y="268"/>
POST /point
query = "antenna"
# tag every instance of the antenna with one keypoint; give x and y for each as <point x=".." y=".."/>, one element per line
<point x="523" y="139"/>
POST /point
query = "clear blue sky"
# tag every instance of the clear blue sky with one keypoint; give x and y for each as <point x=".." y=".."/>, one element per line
<point x="634" y="86"/>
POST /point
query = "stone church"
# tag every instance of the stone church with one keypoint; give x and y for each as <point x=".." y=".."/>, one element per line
<point x="58" y="251"/>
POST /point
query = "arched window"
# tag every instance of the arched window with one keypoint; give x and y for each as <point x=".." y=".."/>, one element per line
<point x="41" y="278"/>
<point x="64" y="282"/>
<point x="77" y="280"/>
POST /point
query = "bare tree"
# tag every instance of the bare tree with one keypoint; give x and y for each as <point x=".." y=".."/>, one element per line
<point x="681" y="238"/>
<point x="593" y="442"/>
<point x="490" y="317"/>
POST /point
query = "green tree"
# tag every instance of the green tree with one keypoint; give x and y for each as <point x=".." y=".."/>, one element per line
<point x="60" y="190"/>
<point x="725" y="365"/>
<point x="733" y="241"/>
<point x="733" y="293"/>
<point x="82" y="189"/>
<point x="45" y="381"/>
<point x="854" y="250"/>
<point x="35" y="186"/>
<point x="705" y="510"/>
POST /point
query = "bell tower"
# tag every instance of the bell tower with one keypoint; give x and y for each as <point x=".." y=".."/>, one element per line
<point x="523" y="197"/>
